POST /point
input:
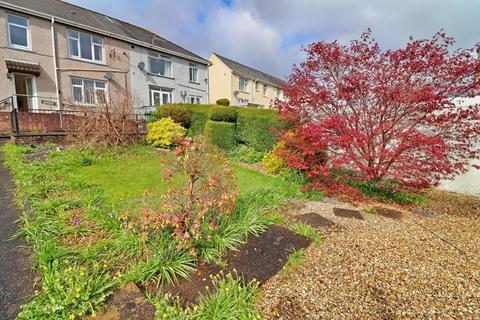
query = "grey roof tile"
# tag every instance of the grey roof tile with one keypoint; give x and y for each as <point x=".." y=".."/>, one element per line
<point x="250" y="72"/>
<point x="89" y="18"/>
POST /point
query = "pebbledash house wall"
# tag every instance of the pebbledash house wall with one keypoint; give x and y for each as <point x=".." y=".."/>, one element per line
<point x="116" y="61"/>
<point x="142" y="79"/>
<point x="41" y="52"/>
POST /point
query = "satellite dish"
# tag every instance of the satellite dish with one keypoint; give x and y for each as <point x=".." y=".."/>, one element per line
<point x="109" y="76"/>
<point x="141" y="65"/>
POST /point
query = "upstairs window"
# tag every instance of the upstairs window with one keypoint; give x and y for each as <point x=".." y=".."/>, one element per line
<point x="18" y="32"/>
<point x="193" y="72"/>
<point x="243" y="85"/>
<point x="265" y="90"/>
<point x="85" y="91"/>
<point x="160" y="65"/>
<point x="85" y="46"/>
<point x="279" y="93"/>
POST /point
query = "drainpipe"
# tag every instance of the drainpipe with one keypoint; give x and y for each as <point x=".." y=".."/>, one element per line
<point x="54" y="54"/>
<point x="208" y="84"/>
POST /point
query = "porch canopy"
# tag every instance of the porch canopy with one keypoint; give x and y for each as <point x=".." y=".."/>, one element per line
<point x="23" y="67"/>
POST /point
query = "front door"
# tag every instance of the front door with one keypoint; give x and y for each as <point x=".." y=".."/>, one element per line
<point x="25" y="92"/>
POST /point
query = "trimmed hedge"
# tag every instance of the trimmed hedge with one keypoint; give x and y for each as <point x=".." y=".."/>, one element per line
<point x="226" y="114"/>
<point x="252" y="127"/>
<point x="223" y="102"/>
<point x="221" y="134"/>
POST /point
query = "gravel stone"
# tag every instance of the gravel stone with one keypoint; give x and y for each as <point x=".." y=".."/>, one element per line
<point x="381" y="268"/>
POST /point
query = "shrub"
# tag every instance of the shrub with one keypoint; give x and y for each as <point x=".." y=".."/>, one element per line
<point x="223" y="102"/>
<point x="272" y="163"/>
<point x="178" y="114"/>
<point x="254" y="128"/>
<point x="164" y="133"/>
<point x="221" y="134"/>
<point x="226" y="114"/>
<point x="192" y="210"/>
<point x="246" y="154"/>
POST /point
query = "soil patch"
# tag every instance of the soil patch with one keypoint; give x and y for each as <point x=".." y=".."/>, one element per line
<point x="347" y="213"/>
<point x="127" y="303"/>
<point x="388" y="212"/>
<point x="260" y="258"/>
<point x="315" y="220"/>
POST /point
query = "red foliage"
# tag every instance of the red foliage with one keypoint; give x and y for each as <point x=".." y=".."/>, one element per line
<point x="191" y="209"/>
<point x="386" y="114"/>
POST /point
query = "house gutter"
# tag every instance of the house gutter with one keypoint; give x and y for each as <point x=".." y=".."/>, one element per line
<point x="102" y="32"/>
<point x="54" y="57"/>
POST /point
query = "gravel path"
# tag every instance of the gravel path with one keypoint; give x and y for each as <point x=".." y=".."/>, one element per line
<point x="380" y="268"/>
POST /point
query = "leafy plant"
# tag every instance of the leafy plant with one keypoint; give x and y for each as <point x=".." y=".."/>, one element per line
<point x="386" y="114"/>
<point x="307" y="231"/>
<point x="245" y="154"/>
<point x="164" y="133"/>
<point x="225" y="114"/>
<point x="221" y="134"/>
<point x="223" y="102"/>
<point x="295" y="260"/>
<point x="272" y="162"/>
<point x="178" y="114"/>
<point x="69" y="291"/>
<point x="193" y="209"/>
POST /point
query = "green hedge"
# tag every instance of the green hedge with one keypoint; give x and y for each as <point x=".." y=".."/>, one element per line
<point x="221" y="134"/>
<point x="226" y="114"/>
<point x="252" y="128"/>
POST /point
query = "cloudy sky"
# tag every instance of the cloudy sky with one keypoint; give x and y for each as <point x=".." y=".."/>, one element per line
<point x="268" y="34"/>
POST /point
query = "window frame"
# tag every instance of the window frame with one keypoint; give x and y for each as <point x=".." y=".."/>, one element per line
<point x="265" y="90"/>
<point x="9" y="40"/>
<point x="92" y="47"/>
<point x="157" y="56"/>
<point x="245" y="84"/>
<point x="152" y="90"/>
<point x="95" y="89"/>
<point x="193" y="67"/>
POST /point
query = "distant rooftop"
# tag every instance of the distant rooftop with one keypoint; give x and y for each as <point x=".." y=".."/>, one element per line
<point x="250" y="72"/>
<point x="88" y="18"/>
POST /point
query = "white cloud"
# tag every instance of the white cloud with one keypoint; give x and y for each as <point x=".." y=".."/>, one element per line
<point x="268" y="34"/>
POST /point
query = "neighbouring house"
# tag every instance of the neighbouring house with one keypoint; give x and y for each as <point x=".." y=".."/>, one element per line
<point x="169" y="76"/>
<point x="241" y="84"/>
<point x="55" y="54"/>
<point x="468" y="182"/>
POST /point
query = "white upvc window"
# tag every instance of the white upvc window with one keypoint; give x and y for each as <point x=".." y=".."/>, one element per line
<point x="195" y="99"/>
<point x="243" y="85"/>
<point x="243" y="101"/>
<point x="86" y="91"/>
<point x="85" y="46"/>
<point x="159" y="96"/>
<point x="279" y="93"/>
<point x="265" y="93"/>
<point x="160" y="65"/>
<point x="18" y="32"/>
<point x="193" y="72"/>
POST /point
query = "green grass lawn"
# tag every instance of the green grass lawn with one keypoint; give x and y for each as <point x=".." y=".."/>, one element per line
<point x="125" y="179"/>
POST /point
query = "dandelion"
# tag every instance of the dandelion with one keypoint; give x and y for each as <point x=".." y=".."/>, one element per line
<point x="72" y="317"/>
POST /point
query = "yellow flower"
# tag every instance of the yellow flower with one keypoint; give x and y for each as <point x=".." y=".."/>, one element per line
<point x="94" y="315"/>
<point x="80" y="313"/>
<point x="227" y="288"/>
<point x="72" y="317"/>
<point x="82" y="273"/>
<point x="77" y="295"/>
<point x="78" y="289"/>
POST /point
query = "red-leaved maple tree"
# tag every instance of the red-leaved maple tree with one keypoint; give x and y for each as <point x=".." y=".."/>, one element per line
<point x="384" y="114"/>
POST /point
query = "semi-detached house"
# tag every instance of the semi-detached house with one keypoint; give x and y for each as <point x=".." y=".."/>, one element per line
<point x="54" y="54"/>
